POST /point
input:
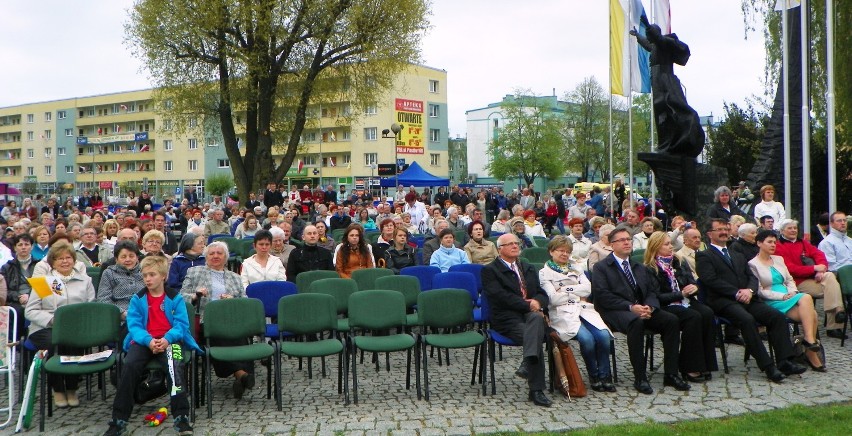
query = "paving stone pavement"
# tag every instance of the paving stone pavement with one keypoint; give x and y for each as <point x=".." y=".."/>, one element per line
<point x="313" y="406"/>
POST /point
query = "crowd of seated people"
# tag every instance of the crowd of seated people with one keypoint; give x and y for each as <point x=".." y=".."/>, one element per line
<point x="756" y="270"/>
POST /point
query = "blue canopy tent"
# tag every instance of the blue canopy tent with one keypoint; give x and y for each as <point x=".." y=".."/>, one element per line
<point x="415" y="175"/>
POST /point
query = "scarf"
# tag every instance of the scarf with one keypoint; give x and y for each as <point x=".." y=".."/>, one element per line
<point x="562" y="269"/>
<point x="665" y="263"/>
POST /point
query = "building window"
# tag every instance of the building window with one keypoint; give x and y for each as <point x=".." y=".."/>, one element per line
<point x="370" y="134"/>
<point x="69" y="169"/>
<point x="433" y="86"/>
<point x="48" y="152"/>
<point x="91" y="112"/>
<point x="211" y="142"/>
<point x="435" y="159"/>
<point x="347" y="158"/>
<point x="48" y="170"/>
<point x="167" y="125"/>
<point x="370" y="110"/>
<point x="193" y="123"/>
<point x="347" y="135"/>
<point x="61" y="151"/>
<point x="47" y="134"/>
<point x="30" y="171"/>
<point x="193" y="144"/>
<point x="167" y="165"/>
<point x="371" y="159"/>
<point x="30" y="153"/>
<point x="433" y="111"/>
<point x="30" y="136"/>
<point x="434" y="135"/>
<point x="311" y="137"/>
<point x="30" y="118"/>
<point x="69" y="132"/>
<point x="61" y="115"/>
<point x="311" y="160"/>
<point x="193" y="165"/>
<point x="224" y="163"/>
<point x="48" y="116"/>
<point x="167" y="145"/>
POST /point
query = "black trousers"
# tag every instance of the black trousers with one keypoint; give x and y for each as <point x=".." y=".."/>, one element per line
<point x="747" y="317"/>
<point x="133" y="365"/>
<point x="530" y="334"/>
<point x="668" y="326"/>
<point x="697" y="339"/>
<point x="58" y="382"/>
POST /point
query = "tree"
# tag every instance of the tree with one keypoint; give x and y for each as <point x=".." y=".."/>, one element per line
<point x="735" y="144"/>
<point x="528" y="144"/>
<point x="586" y="129"/>
<point x="255" y="66"/>
<point x="219" y="184"/>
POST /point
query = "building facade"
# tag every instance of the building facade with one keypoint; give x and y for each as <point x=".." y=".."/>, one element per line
<point x="112" y="143"/>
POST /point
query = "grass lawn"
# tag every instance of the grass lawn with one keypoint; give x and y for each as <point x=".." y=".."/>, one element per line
<point x="796" y="420"/>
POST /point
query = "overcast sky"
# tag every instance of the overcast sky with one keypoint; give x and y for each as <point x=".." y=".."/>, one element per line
<point x="54" y="49"/>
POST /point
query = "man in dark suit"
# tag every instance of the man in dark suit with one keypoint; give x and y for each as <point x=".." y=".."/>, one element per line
<point x="730" y="289"/>
<point x="625" y="296"/>
<point x="517" y="300"/>
<point x="191" y="196"/>
<point x="170" y="244"/>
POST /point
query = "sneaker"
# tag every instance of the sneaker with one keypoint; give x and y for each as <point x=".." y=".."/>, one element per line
<point x="116" y="428"/>
<point x="182" y="425"/>
<point x="60" y="400"/>
<point x="71" y="397"/>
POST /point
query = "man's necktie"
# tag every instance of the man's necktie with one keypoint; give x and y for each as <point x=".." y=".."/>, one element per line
<point x="520" y="281"/>
<point x="727" y="256"/>
<point x="626" y="267"/>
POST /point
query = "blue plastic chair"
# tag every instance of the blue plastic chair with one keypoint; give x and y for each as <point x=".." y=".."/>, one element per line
<point x="269" y="292"/>
<point x="476" y="270"/>
<point x="423" y="273"/>
<point x="460" y="280"/>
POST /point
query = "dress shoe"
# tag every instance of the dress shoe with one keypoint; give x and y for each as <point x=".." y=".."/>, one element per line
<point x="539" y="399"/>
<point x="840" y="317"/>
<point x="676" y="382"/>
<point x="247" y="380"/>
<point x="238" y="388"/>
<point x="693" y="379"/>
<point x="608" y="386"/>
<point x="735" y="340"/>
<point x="523" y="371"/>
<point x="596" y="384"/>
<point x="708" y="376"/>
<point x="790" y="368"/>
<point x="836" y="333"/>
<point x="71" y="397"/>
<point x="643" y="386"/>
<point x="773" y="374"/>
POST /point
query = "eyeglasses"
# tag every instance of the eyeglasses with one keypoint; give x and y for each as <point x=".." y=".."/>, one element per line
<point x="509" y="244"/>
<point x="719" y="229"/>
<point x="618" y="241"/>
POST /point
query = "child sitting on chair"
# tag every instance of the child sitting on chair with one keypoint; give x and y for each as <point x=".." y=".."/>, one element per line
<point x="155" y="333"/>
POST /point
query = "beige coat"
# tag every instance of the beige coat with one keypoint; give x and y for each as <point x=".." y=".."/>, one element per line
<point x="568" y="293"/>
<point x="482" y="253"/>
<point x="764" y="278"/>
<point x="597" y="252"/>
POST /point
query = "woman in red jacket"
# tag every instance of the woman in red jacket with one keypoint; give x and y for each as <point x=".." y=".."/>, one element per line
<point x="809" y="268"/>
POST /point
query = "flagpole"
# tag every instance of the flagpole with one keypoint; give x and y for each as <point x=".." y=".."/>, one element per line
<point x="320" y="146"/>
<point x="832" y="147"/>
<point x="630" y="109"/>
<point x="611" y="175"/>
<point x="788" y="197"/>
<point x="806" y="118"/>
<point x="651" y="128"/>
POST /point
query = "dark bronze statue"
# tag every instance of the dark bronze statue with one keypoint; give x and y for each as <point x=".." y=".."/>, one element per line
<point x="679" y="129"/>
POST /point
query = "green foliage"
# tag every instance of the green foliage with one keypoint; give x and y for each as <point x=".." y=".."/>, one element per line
<point x="219" y="184"/>
<point x="529" y="143"/>
<point x="735" y="144"/>
<point x="251" y="68"/>
<point x="586" y="128"/>
<point x="30" y="188"/>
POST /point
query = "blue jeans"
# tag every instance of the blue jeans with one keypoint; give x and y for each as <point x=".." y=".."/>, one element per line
<point x="560" y="225"/>
<point x="594" y="346"/>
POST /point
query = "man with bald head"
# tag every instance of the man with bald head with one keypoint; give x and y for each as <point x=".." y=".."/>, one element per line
<point x="516" y="299"/>
<point x="691" y="244"/>
<point x="310" y="257"/>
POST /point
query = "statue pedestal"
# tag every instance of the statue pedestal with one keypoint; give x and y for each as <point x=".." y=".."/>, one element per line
<point x="684" y="186"/>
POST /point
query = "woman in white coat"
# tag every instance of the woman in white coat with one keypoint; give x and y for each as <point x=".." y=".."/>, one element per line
<point x="572" y="316"/>
<point x="262" y="266"/>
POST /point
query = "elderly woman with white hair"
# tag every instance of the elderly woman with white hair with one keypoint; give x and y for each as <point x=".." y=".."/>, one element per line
<point x="209" y="282"/>
<point x="809" y="268"/>
<point x="601" y="249"/>
<point x="745" y="244"/>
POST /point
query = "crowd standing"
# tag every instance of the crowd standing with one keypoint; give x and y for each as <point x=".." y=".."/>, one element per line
<point x="755" y="270"/>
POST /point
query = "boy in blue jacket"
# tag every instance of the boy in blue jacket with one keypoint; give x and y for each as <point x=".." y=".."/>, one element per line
<point x="157" y="324"/>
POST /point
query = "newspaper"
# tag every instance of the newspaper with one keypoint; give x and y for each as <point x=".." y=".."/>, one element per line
<point x="87" y="358"/>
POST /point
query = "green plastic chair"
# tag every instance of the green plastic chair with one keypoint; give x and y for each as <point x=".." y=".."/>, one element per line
<point x="234" y="248"/>
<point x="844" y="276"/>
<point x="340" y="289"/>
<point x="449" y="309"/>
<point x="536" y="254"/>
<point x="373" y="237"/>
<point x="379" y="310"/>
<point x="366" y="278"/>
<point x="540" y="241"/>
<point x="304" y="279"/>
<point x="638" y="255"/>
<point x="234" y="318"/>
<point x="409" y="286"/>
<point x="95" y="274"/>
<point x="80" y="325"/>
<point x="337" y="234"/>
<point x="306" y="315"/>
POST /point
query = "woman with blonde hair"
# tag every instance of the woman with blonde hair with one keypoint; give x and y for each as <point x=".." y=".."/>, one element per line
<point x="678" y="294"/>
<point x="769" y="207"/>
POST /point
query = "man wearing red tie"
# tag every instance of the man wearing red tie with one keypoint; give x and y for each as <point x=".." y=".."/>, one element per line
<point x="517" y="300"/>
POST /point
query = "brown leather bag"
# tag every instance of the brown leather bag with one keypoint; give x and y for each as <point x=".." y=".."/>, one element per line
<point x="567" y="379"/>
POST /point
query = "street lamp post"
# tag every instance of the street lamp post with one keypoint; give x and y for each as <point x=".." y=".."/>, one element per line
<point x="386" y="133"/>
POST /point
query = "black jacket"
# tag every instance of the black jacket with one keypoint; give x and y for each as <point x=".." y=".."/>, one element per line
<point x="720" y="279"/>
<point x="613" y="294"/>
<point x="308" y="258"/>
<point x="16" y="279"/>
<point x="682" y="274"/>
<point x="746" y="249"/>
<point x="717" y="211"/>
<point x="503" y="291"/>
<point x="396" y="260"/>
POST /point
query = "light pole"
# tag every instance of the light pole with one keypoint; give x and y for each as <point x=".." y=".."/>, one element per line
<point x="386" y="133"/>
